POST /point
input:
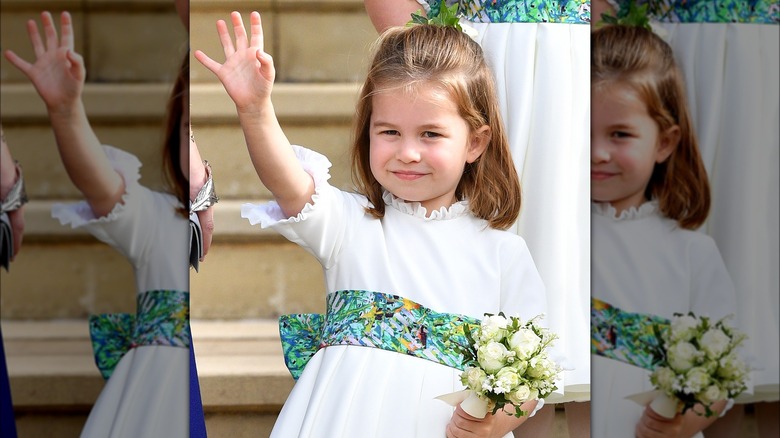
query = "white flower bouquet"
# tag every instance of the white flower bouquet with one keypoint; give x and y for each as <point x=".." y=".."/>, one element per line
<point x="506" y="362"/>
<point x="698" y="365"/>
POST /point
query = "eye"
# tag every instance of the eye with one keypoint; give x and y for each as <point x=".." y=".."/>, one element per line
<point x="390" y="132"/>
<point x="620" y="134"/>
<point x="431" y="134"/>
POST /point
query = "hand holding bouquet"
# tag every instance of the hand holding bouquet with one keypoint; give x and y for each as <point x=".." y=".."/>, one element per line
<point x="506" y="362"/>
<point x="698" y="365"/>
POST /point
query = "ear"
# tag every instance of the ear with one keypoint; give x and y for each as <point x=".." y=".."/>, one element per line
<point x="667" y="143"/>
<point x="478" y="143"/>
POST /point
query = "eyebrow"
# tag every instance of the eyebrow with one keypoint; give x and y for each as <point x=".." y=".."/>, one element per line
<point x="424" y="127"/>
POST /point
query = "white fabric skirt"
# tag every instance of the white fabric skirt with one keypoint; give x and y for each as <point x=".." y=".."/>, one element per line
<point x="731" y="72"/>
<point x="330" y="398"/>
<point x="543" y="76"/>
<point x="146" y="396"/>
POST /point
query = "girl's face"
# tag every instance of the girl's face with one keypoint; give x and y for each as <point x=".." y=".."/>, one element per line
<point x="419" y="145"/>
<point x="626" y="144"/>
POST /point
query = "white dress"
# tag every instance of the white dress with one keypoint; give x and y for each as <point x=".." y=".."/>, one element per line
<point x="643" y="262"/>
<point x="542" y="73"/>
<point x="731" y="68"/>
<point x="148" y="393"/>
<point x="450" y="262"/>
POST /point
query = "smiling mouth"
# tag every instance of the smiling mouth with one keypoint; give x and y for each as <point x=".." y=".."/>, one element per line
<point x="408" y="176"/>
<point x="600" y="176"/>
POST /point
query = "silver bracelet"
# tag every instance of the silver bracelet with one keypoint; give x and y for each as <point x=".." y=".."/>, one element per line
<point x="17" y="196"/>
<point x="207" y="196"/>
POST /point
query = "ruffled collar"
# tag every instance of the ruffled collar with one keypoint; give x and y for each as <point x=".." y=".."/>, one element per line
<point x="647" y="209"/>
<point x="417" y="210"/>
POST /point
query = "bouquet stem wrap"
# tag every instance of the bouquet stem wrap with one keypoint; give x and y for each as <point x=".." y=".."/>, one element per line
<point x="665" y="405"/>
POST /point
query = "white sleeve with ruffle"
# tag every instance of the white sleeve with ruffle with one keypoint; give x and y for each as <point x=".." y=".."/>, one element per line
<point x="321" y="226"/>
<point x="127" y="227"/>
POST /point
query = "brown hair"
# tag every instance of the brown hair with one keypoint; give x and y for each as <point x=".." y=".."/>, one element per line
<point x="444" y="57"/>
<point x="174" y="176"/>
<point x="637" y="58"/>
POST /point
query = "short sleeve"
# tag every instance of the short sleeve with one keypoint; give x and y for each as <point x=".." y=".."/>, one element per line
<point x="127" y="227"/>
<point x="321" y="226"/>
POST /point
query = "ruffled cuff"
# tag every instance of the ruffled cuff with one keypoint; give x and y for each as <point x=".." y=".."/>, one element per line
<point x="270" y="213"/>
<point x="79" y="214"/>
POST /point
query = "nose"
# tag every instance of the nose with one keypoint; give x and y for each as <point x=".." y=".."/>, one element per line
<point x="599" y="152"/>
<point x="408" y="151"/>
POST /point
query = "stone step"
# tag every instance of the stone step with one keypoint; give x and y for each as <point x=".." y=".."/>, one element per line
<point x="244" y="381"/>
<point x="130" y="116"/>
<point x="54" y="381"/>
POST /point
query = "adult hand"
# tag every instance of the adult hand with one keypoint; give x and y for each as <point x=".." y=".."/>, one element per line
<point x="248" y="72"/>
<point x="58" y="71"/>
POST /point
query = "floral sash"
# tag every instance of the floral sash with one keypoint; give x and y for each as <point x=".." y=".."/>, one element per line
<point x="373" y="319"/>
<point x="520" y="11"/>
<point x="162" y="318"/>
<point x="627" y="337"/>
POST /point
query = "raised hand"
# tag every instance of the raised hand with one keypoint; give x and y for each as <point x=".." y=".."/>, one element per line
<point x="58" y="71"/>
<point x="248" y="72"/>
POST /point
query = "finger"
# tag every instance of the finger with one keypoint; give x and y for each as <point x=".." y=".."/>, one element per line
<point x="207" y="62"/>
<point x="66" y="27"/>
<point x="35" y="38"/>
<point x="76" y="65"/>
<point x="52" y="42"/>
<point x="224" y="38"/>
<point x="239" y="31"/>
<point x="18" y="62"/>
<point x="266" y="65"/>
<point x="256" y="29"/>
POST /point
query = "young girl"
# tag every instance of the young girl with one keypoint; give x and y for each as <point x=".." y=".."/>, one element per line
<point x="546" y="121"/>
<point x="419" y="250"/>
<point x="650" y="193"/>
<point x="147" y="391"/>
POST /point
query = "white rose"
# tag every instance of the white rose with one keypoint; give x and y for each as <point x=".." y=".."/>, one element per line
<point x="473" y="378"/>
<point x="682" y="356"/>
<point x="711" y="394"/>
<point x="524" y="343"/>
<point x="714" y="342"/>
<point x="521" y="395"/>
<point x="732" y="367"/>
<point x="664" y="378"/>
<point x="540" y="368"/>
<point x="493" y="328"/>
<point x="696" y="379"/>
<point x="491" y="357"/>
<point x="520" y="366"/>
<point x="506" y="380"/>
<point x="683" y="328"/>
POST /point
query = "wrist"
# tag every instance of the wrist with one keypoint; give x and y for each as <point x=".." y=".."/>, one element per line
<point x="206" y="196"/>
<point x="16" y="196"/>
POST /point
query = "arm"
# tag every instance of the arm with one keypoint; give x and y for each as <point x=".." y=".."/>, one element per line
<point x="463" y="425"/>
<point x="247" y="75"/>
<point x="58" y="76"/>
<point x="389" y="13"/>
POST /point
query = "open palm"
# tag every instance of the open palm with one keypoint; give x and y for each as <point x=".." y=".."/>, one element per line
<point x="58" y="72"/>
<point x="248" y="72"/>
